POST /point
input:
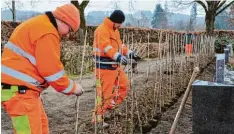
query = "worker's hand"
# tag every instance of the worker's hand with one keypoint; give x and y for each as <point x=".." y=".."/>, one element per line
<point x="79" y="90"/>
<point x="134" y="56"/>
<point x="122" y="59"/>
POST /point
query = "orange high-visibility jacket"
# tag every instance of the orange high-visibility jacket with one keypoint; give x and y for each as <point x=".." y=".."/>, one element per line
<point x="32" y="57"/>
<point x="107" y="42"/>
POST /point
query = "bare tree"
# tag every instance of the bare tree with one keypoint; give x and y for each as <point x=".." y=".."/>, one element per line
<point x="81" y="8"/>
<point x="212" y="9"/>
<point x="115" y="4"/>
<point x="13" y="5"/>
<point x="13" y="11"/>
<point x="137" y="20"/>
<point x="145" y="22"/>
<point x="131" y="8"/>
<point x="140" y="21"/>
<point x="33" y="2"/>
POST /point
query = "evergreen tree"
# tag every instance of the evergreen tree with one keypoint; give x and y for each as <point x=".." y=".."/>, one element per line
<point x="159" y="17"/>
<point x="193" y="17"/>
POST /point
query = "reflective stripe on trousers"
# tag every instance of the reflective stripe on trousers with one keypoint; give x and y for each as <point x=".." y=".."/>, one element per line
<point x="26" y="111"/>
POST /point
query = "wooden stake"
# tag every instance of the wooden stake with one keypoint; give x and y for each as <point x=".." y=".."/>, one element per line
<point x="81" y="73"/>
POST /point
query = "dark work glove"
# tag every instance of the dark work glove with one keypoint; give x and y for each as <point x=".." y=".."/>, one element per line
<point x="122" y="59"/>
<point x="134" y="56"/>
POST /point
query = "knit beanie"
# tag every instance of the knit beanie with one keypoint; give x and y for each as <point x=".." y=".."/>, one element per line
<point x="69" y="14"/>
<point x="117" y="17"/>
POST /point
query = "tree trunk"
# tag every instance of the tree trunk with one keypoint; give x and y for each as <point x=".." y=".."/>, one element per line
<point x="13" y="14"/>
<point x="13" y="11"/>
<point x="81" y="36"/>
<point x="82" y="26"/>
<point x="81" y="8"/>
<point x="82" y="19"/>
<point x="210" y="19"/>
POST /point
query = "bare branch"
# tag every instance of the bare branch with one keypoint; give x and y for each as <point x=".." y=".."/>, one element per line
<point x="183" y="3"/>
<point x="76" y="3"/>
<point x="8" y="3"/>
<point x="116" y="4"/>
<point x="226" y="6"/>
<point x="33" y="2"/>
<point x="84" y="3"/>
<point x="217" y="3"/>
<point x="221" y="4"/>
<point x="202" y="4"/>
<point x="131" y="6"/>
<point x="19" y="4"/>
<point x="177" y="5"/>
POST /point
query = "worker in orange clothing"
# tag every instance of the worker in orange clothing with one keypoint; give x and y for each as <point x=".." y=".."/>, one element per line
<point x="109" y="53"/>
<point x="188" y="45"/>
<point x="31" y="62"/>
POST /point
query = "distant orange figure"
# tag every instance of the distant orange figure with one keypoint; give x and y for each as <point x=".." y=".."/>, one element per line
<point x="189" y="49"/>
<point x="189" y="46"/>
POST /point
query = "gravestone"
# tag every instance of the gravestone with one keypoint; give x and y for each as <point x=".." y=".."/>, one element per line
<point x="226" y="52"/>
<point x="220" y="62"/>
<point x="212" y="108"/>
<point x="230" y="50"/>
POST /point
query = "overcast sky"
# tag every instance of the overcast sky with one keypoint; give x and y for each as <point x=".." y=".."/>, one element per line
<point x="105" y="5"/>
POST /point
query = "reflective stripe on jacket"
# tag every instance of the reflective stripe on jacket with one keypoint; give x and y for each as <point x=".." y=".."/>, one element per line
<point x="32" y="57"/>
<point x="107" y="42"/>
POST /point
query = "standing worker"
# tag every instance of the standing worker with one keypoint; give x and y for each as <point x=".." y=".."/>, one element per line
<point x="189" y="44"/>
<point x="31" y="62"/>
<point x="111" y="81"/>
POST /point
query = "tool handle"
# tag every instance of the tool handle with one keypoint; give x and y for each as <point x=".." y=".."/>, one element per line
<point x="185" y="97"/>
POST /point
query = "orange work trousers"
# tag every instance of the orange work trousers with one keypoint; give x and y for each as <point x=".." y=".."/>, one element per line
<point x="189" y="49"/>
<point x="27" y="113"/>
<point x="111" y="88"/>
